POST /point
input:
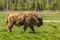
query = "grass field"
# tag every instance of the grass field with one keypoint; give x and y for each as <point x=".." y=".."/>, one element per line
<point x="51" y="16"/>
<point x="48" y="31"/>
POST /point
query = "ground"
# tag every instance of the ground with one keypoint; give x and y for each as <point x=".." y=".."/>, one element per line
<point x="48" y="31"/>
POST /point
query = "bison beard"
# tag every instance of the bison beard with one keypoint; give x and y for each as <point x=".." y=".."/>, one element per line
<point x="28" y="19"/>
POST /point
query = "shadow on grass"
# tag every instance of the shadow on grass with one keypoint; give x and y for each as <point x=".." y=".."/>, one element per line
<point x="34" y="32"/>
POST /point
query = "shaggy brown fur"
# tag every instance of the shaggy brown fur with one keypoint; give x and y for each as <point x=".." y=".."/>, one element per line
<point x="28" y="19"/>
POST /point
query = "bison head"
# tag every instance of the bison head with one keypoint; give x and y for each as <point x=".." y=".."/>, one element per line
<point x="40" y="22"/>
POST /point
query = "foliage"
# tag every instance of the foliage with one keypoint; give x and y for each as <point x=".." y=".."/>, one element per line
<point x="30" y="5"/>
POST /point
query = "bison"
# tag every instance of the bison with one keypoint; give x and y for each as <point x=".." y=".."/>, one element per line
<point x="28" y="19"/>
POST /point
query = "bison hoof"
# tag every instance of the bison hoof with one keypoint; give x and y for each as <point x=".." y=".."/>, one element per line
<point x="9" y="31"/>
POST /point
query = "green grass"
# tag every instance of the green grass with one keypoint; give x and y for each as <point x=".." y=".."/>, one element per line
<point x="48" y="31"/>
<point x="51" y="16"/>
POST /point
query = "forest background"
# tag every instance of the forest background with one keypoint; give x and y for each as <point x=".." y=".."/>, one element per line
<point x="23" y="5"/>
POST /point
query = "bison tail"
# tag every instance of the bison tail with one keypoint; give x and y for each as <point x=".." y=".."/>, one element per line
<point x="7" y="19"/>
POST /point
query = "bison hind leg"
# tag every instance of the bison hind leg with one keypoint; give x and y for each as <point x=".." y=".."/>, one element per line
<point x="10" y="25"/>
<point x="9" y="28"/>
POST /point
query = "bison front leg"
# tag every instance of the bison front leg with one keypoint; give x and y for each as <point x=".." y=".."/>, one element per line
<point x="9" y="27"/>
<point x="32" y="28"/>
<point x="25" y="27"/>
